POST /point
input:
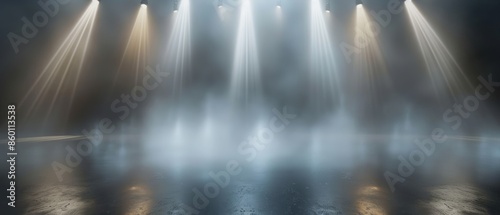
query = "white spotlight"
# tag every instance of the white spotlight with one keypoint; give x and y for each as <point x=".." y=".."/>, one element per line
<point x="176" y="5"/>
<point x="359" y="3"/>
<point x="144" y="5"/>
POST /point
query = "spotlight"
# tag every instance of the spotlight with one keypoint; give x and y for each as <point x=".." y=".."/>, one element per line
<point x="327" y="6"/>
<point x="144" y="3"/>
<point x="176" y="5"/>
<point x="359" y="3"/>
<point x="219" y="4"/>
<point x="278" y="4"/>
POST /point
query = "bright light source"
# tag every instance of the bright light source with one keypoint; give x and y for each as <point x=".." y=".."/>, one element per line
<point x="144" y="5"/>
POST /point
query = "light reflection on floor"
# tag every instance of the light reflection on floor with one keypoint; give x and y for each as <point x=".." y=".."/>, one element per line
<point x="110" y="183"/>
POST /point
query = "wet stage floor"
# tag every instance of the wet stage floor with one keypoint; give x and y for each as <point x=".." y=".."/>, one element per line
<point x="121" y="178"/>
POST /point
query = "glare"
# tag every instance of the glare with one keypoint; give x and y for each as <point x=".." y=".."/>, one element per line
<point x="245" y="80"/>
<point x="323" y="69"/>
<point x="137" y="50"/>
<point x="446" y="75"/>
<point x="144" y="5"/>
<point x="178" y="56"/>
<point x="60" y="77"/>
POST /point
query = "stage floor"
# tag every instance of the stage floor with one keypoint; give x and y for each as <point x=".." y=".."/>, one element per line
<point x="122" y="178"/>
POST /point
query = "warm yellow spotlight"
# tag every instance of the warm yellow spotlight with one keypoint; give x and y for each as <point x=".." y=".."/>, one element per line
<point x="56" y="84"/>
<point x="369" y="66"/>
<point x="135" y="58"/>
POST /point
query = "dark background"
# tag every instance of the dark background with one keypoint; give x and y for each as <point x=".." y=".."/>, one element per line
<point x="470" y="29"/>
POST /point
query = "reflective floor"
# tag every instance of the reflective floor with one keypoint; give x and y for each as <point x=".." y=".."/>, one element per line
<point x="120" y="178"/>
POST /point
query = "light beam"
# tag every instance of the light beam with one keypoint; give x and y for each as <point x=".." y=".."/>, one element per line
<point x="136" y="52"/>
<point x="245" y="77"/>
<point x="62" y="73"/>
<point x="369" y="64"/>
<point x="446" y="75"/>
<point x="178" y="57"/>
<point x="323" y="75"/>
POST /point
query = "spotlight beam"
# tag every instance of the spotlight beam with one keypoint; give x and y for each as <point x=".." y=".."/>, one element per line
<point x="245" y="76"/>
<point x="68" y="65"/>
<point x="64" y="57"/>
<point x="369" y="64"/>
<point x="441" y="65"/>
<point x="137" y="48"/>
<point x="178" y="57"/>
<point x="323" y="76"/>
<point x="87" y="42"/>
